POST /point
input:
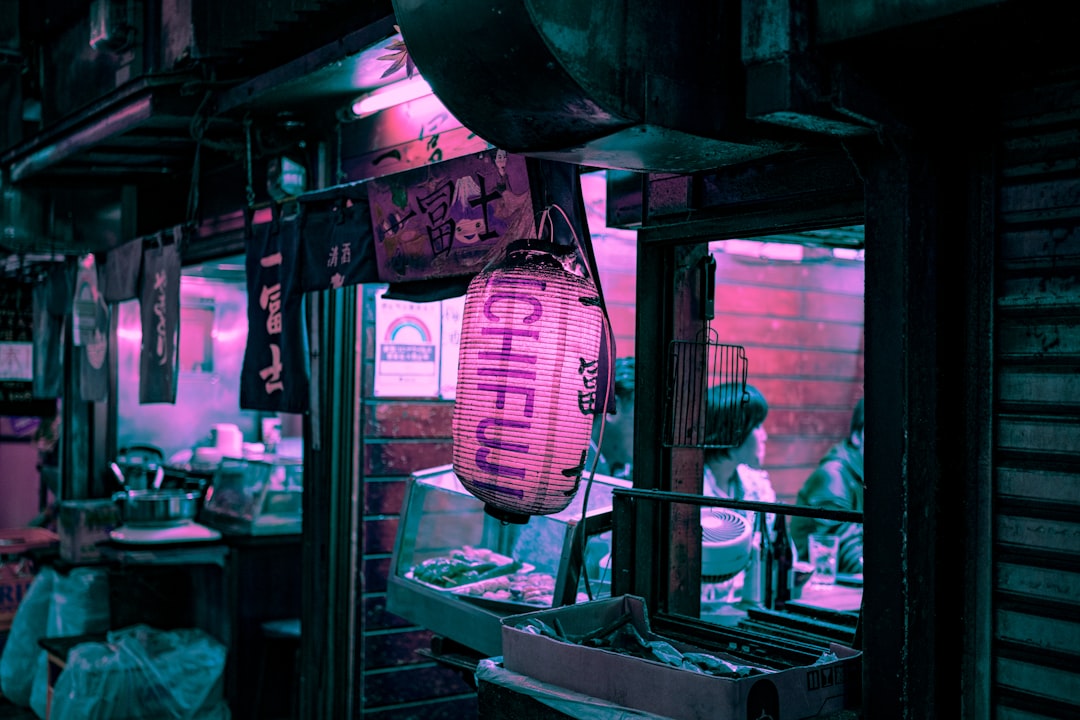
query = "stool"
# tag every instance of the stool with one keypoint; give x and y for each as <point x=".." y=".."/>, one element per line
<point x="282" y="634"/>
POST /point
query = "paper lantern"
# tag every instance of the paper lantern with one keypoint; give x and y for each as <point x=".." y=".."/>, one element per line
<point x="527" y="381"/>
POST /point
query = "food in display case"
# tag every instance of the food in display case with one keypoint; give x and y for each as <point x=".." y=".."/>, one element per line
<point x="527" y="588"/>
<point x="462" y="567"/>
<point x="457" y="570"/>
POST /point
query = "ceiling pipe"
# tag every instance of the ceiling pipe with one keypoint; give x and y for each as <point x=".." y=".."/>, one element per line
<point x="115" y="123"/>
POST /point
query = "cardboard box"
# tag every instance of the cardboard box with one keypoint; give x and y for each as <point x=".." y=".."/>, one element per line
<point x="82" y="525"/>
<point x="16" y="570"/>
<point x="16" y="575"/>
<point x="787" y="694"/>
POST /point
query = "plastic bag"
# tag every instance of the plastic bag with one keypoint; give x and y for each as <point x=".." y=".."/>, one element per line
<point x="22" y="651"/>
<point x="141" y="672"/>
<point x="80" y="603"/>
<point x="79" y="606"/>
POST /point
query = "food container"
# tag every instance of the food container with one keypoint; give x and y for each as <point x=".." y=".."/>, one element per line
<point x="157" y="506"/>
<point x="82" y="525"/>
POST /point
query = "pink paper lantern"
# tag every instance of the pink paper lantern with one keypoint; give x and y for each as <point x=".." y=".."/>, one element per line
<point x="527" y="382"/>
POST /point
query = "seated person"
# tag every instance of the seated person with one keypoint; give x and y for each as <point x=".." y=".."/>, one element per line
<point x="735" y="472"/>
<point x="836" y="484"/>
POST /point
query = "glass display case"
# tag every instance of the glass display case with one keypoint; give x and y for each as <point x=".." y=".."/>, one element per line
<point x="256" y="496"/>
<point x="457" y="570"/>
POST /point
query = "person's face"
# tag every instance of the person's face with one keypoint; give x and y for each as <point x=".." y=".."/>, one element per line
<point x="752" y="451"/>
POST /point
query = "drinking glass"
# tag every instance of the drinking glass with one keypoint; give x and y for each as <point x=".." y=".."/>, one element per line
<point x="823" y="556"/>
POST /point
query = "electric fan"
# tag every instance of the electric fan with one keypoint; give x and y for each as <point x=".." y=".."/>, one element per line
<point x="725" y="544"/>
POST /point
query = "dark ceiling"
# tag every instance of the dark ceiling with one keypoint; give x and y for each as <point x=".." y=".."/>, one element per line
<point x="83" y="123"/>
<point x="296" y="59"/>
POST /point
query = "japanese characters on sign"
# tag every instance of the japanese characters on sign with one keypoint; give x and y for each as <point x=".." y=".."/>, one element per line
<point x="449" y="219"/>
<point x="270" y="303"/>
<point x="160" y="311"/>
<point x="334" y="248"/>
<point x="275" y="375"/>
<point x="160" y="344"/>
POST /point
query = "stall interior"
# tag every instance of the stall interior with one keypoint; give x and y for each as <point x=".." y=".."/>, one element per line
<point x="205" y="439"/>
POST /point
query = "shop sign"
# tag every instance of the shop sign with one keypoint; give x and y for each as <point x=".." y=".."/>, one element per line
<point x="449" y="219"/>
<point x="16" y="343"/>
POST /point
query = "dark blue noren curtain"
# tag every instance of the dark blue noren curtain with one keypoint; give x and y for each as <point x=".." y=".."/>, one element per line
<point x="275" y="375"/>
<point x="122" y="267"/>
<point x="52" y="303"/>
<point x="93" y="349"/>
<point x="160" y="308"/>
<point x="335" y="243"/>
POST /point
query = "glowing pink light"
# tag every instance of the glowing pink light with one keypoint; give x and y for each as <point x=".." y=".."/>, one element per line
<point x="390" y="95"/>
<point x="131" y="334"/>
<point x="230" y="336"/>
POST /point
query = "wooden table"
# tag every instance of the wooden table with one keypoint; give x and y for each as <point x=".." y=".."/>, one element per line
<point x="839" y="597"/>
<point x="56" y="654"/>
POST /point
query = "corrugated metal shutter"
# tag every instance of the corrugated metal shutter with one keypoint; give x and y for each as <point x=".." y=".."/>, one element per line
<point x="1036" y="592"/>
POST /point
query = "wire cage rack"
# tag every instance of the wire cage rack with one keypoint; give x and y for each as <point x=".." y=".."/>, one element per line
<point x="706" y="392"/>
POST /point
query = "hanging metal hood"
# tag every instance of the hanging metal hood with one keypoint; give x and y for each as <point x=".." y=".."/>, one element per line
<point x="648" y="85"/>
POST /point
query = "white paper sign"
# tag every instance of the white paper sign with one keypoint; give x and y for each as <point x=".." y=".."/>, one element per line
<point x="452" y="311"/>
<point x="407" y="348"/>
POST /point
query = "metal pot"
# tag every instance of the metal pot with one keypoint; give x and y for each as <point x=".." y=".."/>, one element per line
<point x="139" y="467"/>
<point x="157" y="506"/>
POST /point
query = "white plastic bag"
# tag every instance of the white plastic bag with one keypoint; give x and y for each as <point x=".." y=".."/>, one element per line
<point x="141" y="672"/>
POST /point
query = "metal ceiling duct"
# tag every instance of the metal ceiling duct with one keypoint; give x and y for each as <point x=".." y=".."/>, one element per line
<point x="650" y="85"/>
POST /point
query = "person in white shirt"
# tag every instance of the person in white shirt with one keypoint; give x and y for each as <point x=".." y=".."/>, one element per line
<point x="734" y="454"/>
<point x="736" y="472"/>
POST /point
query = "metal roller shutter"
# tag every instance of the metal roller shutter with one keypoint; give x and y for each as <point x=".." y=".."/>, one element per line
<point x="1036" y="491"/>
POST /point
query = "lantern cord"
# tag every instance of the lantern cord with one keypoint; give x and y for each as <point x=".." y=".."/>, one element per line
<point x="599" y="444"/>
<point x="586" y="254"/>
<point x="585" y="250"/>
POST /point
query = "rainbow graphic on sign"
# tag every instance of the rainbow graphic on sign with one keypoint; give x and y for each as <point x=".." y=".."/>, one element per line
<point x="408" y="357"/>
<point x="407" y="329"/>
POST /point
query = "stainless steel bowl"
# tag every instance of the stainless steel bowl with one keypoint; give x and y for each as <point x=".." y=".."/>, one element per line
<point x="157" y="506"/>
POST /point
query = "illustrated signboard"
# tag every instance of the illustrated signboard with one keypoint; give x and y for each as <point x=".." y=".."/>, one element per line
<point x="451" y="218"/>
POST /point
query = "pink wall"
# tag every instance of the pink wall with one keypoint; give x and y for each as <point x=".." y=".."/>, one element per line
<point x="19" y="478"/>
<point x="801" y="322"/>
